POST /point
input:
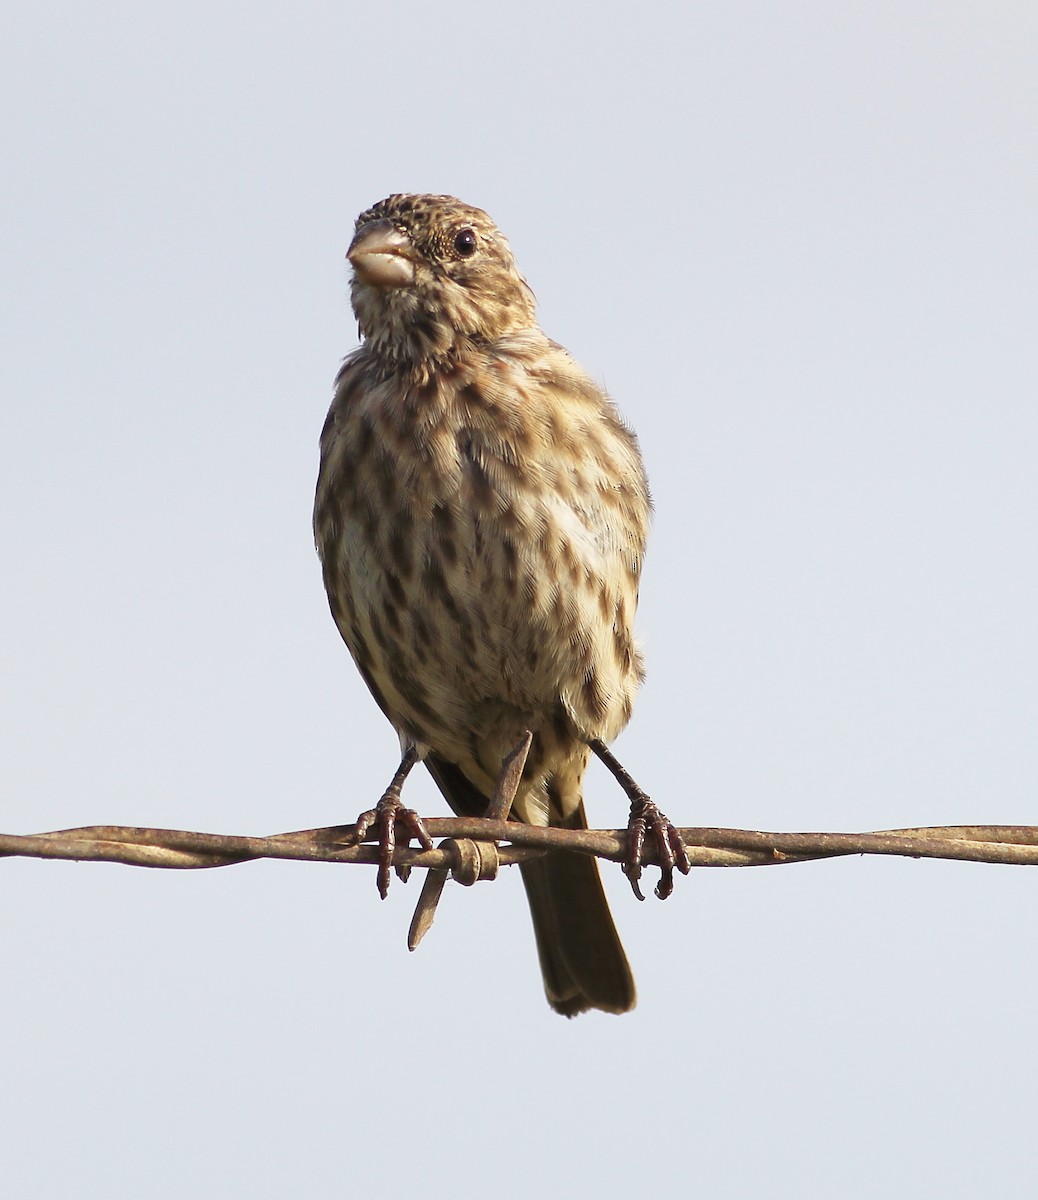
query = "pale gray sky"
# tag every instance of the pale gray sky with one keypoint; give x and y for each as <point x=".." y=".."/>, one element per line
<point x="797" y="243"/>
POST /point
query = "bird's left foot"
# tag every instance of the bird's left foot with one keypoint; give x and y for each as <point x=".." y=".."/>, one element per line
<point x="391" y="818"/>
<point x="646" y="821"/>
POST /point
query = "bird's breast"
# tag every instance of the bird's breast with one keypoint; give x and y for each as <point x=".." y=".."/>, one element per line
<point x="485" y="569"/>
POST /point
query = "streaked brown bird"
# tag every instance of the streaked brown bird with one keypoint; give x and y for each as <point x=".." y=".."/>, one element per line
<point x="481" y="518"/>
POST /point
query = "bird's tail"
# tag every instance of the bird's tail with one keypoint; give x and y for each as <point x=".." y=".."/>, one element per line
<point x="582" y="961"/>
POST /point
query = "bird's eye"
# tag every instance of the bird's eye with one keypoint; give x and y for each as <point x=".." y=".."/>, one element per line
<point x="465" y="243"/>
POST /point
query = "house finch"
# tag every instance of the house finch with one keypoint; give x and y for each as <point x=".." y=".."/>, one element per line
<point x="481" y="517"/>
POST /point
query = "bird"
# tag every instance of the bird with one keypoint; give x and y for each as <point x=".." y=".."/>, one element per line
<point x="481" y="518"/>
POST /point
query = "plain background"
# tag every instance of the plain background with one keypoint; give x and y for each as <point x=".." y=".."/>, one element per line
<point x="797" y="243"/>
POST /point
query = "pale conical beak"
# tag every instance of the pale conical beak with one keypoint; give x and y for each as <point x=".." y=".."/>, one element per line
<point x="382" y="255"/>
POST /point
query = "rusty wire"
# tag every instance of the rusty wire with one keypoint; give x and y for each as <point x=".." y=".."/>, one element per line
<point x="707" y="847"/>
<point x="475" y="848"/>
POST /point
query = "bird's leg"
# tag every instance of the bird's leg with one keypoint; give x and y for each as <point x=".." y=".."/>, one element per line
<point x="386" y="816"/>
<point x="646" y="820"/>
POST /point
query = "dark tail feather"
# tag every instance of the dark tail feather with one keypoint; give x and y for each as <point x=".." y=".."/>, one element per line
<point x="582" y="960"/>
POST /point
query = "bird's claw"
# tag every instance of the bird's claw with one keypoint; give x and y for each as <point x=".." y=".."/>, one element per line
<point x="647" y="821"/>
<point x="389" y="817"/>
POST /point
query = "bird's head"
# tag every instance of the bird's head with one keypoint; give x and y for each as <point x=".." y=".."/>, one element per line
<point x="433" y="277"/>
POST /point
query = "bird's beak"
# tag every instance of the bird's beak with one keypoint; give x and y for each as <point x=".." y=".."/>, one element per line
<point x="382" y="255"/>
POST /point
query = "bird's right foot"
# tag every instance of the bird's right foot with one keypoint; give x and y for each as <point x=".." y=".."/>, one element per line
<point x="390" y="818"/>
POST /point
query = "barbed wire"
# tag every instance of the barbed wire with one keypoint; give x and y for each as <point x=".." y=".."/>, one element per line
<point x="475" y="847"/>
<point x="707" y="847"/>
